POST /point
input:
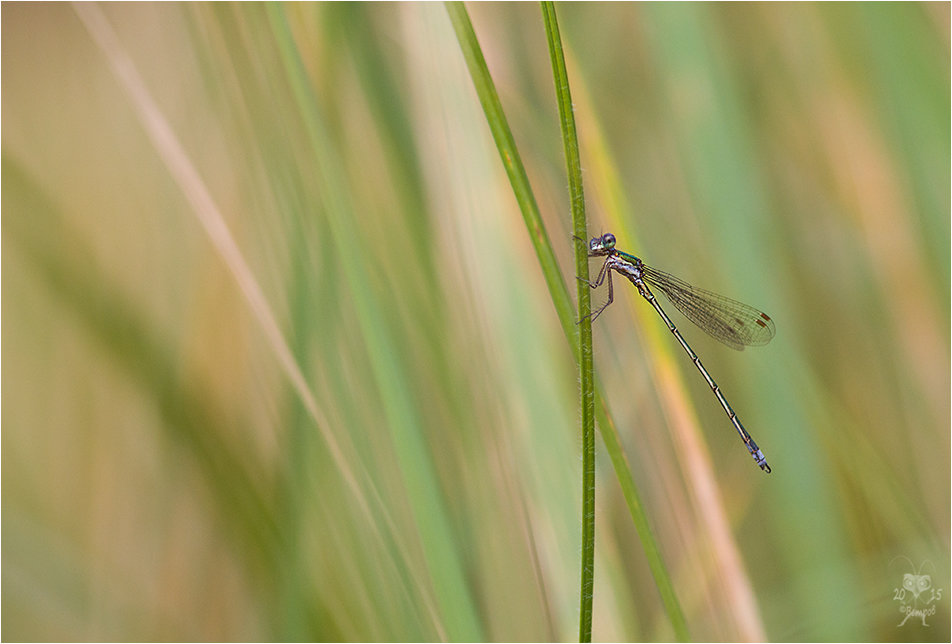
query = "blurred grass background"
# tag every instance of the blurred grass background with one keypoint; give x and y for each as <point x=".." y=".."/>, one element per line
<point x="163" y="478"/>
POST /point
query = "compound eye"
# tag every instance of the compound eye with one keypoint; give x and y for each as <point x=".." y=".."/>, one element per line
<point x="608" y="240"/>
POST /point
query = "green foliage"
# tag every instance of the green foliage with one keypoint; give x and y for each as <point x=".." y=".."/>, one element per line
<point x="410" y="471"/>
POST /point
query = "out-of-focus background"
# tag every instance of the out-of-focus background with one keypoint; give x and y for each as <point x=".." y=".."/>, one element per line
<point x="279" y="362"/>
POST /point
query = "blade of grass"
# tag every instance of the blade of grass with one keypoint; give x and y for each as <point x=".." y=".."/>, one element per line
<point x="452" y="593"/>
<point x="489" y="99"/>
<point x="573" y="166"/>
<point x="673" y="393"/>
<point x="502" y="135"/>
<point x="203" y="205"/>
<point x="209" y="215"/>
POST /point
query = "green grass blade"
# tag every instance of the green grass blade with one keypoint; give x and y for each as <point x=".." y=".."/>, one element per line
<point x="445" y="563"/>
<point x="506" y="144"/>
<point x="488" y="97"/>
<point x="584" y="349"/>
<point x="659" y="571"/>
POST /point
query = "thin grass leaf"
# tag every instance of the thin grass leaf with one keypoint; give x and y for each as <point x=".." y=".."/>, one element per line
<point x="488" y="97"/>
<point x="584" y="349"/>
<point x="512" y="162"/>
<point x="452" y="594"/>
<point x="208" y="213"/>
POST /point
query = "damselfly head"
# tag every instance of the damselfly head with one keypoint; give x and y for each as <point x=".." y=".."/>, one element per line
<point x="601" y="245"/>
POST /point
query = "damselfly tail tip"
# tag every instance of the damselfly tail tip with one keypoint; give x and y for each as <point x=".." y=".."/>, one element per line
<point x="759" y="457"/>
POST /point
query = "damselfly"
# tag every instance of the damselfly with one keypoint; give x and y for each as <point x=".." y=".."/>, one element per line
<point x="729" y="321"/>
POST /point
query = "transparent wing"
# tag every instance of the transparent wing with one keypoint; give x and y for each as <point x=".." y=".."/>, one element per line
<point x="729" y="321"/>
